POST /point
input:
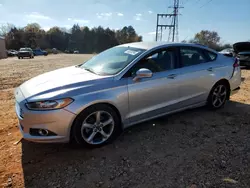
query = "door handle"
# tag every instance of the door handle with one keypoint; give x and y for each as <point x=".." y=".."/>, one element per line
<point x="210" y="69"/>
<point x="172" y="76"/>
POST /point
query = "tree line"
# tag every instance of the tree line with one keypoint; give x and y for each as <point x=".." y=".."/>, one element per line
<point x="83" y="39"/>
<point x="210" y="39"/>
<point x="87" y="40"/>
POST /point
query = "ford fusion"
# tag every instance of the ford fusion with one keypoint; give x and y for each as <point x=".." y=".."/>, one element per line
<point x="93" y="102"/>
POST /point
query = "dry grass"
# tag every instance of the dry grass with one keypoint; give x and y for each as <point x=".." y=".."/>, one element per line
<point x="18" y="166"/>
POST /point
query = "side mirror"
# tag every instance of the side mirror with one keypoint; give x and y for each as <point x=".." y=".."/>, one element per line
<point x="143" y="73"/>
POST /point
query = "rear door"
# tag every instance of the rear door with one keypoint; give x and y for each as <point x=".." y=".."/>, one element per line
<point x="196" y="75"/>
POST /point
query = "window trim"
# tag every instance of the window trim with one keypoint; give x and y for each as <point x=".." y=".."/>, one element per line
<point x="200" y="50"/>
<point x="176" y="63"/>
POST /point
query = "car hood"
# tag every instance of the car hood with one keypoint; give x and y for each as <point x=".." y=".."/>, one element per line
<point x="241" y="47"/>
<point x="58" y="82"/>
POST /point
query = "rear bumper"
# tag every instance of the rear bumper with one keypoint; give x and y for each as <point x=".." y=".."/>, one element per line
<point x="244" y="63"/>
<point x="235" y="91"/>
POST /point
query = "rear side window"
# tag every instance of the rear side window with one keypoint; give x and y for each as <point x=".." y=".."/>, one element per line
<point x="212" y="56"/>
<point x="192" y="56"/>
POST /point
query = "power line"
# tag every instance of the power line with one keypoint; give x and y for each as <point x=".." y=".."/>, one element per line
<point x="206" y="3"/>
<point x="185" y="2"/>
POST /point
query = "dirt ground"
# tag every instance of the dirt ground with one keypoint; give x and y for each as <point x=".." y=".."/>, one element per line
<point x="195" y="148"/>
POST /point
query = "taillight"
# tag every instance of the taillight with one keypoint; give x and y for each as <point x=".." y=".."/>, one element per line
<point x="236" y="63"/>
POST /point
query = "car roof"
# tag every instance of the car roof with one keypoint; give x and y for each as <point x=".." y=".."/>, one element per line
<point x="152" y="45"/>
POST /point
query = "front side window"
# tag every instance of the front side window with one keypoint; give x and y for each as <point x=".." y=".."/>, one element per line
<point x="191" y="56"/>
<point x="112" y="61"/>
<point x="158" y="61"/>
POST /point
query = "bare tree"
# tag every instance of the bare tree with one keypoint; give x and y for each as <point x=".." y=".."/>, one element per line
<point x="5" y="28"/>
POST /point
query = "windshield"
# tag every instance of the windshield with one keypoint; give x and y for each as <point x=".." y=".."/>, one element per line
<point x="25" y="49"/>
<point x="112" y="60"/>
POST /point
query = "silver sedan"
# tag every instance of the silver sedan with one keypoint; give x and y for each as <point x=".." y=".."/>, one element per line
<point x="93" y="102"/>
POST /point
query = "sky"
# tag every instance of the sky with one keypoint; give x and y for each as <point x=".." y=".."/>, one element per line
<point x="230" y="18"/>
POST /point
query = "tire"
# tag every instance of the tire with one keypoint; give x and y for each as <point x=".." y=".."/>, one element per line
<point x="18" y="57"/>
<point x="218" y="95"/>
<point x="83" y="134"/>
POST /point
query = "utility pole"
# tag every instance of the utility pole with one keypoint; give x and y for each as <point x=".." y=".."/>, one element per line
<point x="173" y="27"/>
<point x="160" y="17"/>
<point x="175" y="32"/>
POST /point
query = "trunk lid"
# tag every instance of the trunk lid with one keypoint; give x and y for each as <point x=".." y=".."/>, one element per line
<point x="241" y="47"/>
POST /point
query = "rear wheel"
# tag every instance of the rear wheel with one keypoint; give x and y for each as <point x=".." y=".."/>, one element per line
<point x="218" y="95"/>
<point x="96" y="126"/>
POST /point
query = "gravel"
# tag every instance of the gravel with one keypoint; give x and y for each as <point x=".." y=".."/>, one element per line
<point x="197" y="148"/>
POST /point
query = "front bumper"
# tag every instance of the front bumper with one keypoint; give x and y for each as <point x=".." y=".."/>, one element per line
<point x="57" y="121"/>
<point x="24" y="55"/>
<point x="235" y="91"/>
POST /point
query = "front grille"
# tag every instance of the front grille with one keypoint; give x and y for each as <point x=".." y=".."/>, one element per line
<point x="25" y="53"/>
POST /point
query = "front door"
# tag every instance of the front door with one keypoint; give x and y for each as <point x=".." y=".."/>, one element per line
<point x="150" y="97"/>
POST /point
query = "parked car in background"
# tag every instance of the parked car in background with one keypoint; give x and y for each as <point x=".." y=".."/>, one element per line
<point x="69" y="51"/>
<point x="12" y="53"/>
<point x="93" y="102"/>
<point x="228" y="52"/>
<point x="25" y="52"/>
<point x="76" y="52"/>
<point x="242" y="50"/>
<point x="37" y="52"/>
<point x="54" y="51"/>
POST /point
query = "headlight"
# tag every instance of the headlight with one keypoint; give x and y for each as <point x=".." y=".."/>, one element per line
<point x="49" y="104"/>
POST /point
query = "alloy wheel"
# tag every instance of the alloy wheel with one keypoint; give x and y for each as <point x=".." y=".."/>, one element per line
<point x="97" y="127"/>
<point x="219" y="96"/>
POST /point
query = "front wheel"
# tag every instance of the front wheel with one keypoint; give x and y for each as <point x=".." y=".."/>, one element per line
<point x="218" y="95"/>
<point x="96" y="126"/>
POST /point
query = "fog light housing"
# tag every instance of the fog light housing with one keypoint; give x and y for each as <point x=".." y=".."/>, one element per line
<point x="41" y="132"/>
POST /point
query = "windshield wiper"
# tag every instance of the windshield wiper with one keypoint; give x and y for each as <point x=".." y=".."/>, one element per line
<point x="90" y="70"/>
